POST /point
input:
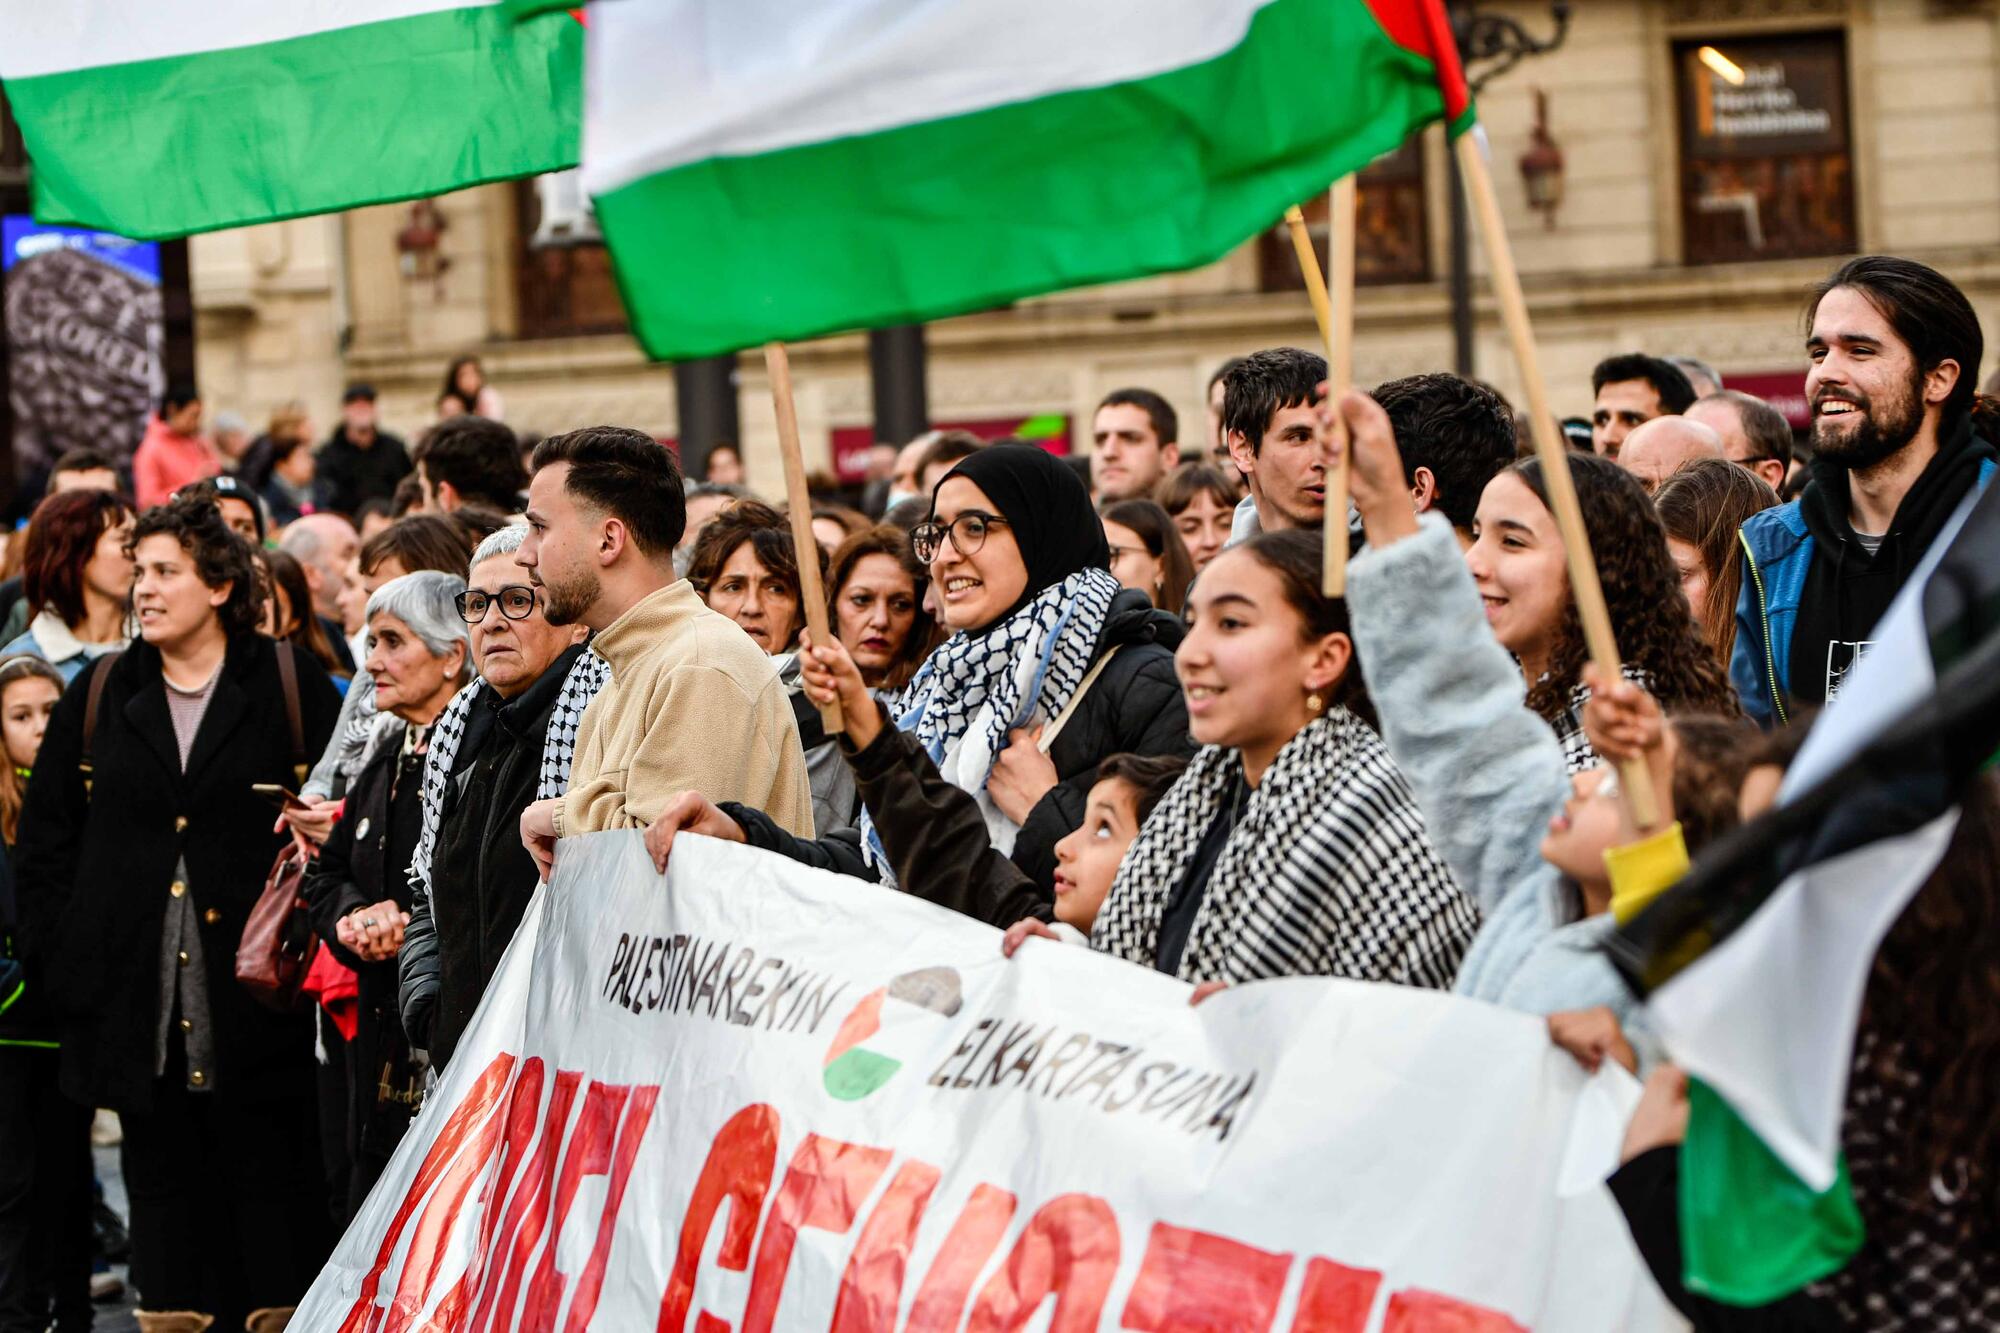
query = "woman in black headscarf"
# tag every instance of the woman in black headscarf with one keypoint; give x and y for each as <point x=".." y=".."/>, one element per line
<point x="1051" y="668"/>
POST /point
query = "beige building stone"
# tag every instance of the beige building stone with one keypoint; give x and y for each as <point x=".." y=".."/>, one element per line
<point x="293" y="310"/>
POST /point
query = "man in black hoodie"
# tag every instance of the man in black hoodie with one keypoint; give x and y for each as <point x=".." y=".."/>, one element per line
<point x="1900" y="438"/>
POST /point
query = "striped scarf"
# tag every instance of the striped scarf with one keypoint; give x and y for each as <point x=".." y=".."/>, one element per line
<point x="970" y="692"/>
<point x="586" y="677"/>
<point x="1327" y="873"/>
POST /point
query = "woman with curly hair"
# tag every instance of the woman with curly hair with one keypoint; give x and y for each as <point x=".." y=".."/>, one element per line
<point x="746" y="567"/>
<point x="144" y="845"/>
<point x="1702" y="507"/>
<point x="1527" y="844"/>
<point x="1516" y="560"/>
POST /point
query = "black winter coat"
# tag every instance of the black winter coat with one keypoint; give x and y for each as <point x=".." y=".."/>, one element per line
<point x="482" y="878"/>
<point x="93" y="871"/>
<point x="1134" y="707"/>
<point x="366" y="860"/>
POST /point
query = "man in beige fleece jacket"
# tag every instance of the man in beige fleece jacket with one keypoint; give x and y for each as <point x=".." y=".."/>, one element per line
<point x="693" y="703"/>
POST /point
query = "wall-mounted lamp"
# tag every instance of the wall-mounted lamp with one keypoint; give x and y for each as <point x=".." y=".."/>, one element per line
<point x="1542" y="165"/>
<point x="419" y="243"/>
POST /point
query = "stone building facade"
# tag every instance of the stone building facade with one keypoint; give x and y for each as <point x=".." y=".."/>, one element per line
<point x="1697" y="206"/>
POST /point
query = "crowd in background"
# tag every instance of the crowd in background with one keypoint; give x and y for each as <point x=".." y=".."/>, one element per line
<point x="1101" y="700"/>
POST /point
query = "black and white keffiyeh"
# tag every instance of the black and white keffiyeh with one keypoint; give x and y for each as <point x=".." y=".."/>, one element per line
<point x="587" y="675"/>
<point x="1327" y="873"/>
<point x="1568" y="724"/>
<point x="972" y="690"/>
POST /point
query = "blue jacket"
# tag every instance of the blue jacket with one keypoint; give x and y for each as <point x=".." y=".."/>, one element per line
<point x="1777" y="555"/>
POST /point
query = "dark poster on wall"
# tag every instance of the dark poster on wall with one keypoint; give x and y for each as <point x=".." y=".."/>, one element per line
<point x="84" y="340"/>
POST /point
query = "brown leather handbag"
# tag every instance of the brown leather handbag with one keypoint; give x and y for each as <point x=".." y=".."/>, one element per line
<point x="277" y="946"/>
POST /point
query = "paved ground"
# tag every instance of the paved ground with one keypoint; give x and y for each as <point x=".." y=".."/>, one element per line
<point x="116" y="1317"/>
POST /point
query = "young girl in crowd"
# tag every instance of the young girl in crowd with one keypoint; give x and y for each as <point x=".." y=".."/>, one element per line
<point x="75" y="577"/>
<point x="1702" y="507"/>
<point x="1202" y="503"/>
<point x="1147" y="554"/>
<point x="45" y="1190"/>
<point x="1052" y="668"/>
<point x="1525" y="841"/>
<point x="1291" y="846"/>
<point x="1517" y="565"/>
<point x="875" y="604"/>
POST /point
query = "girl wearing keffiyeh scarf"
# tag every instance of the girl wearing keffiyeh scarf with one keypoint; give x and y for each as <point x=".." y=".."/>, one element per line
<point x="1018" y="562"/>
<point x="1292" y="845"/>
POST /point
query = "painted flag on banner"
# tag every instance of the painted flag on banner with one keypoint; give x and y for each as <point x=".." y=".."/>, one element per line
<point x="1756" y="963"/>
<point x="167" y="117"/>
<point x="765" y="169"/>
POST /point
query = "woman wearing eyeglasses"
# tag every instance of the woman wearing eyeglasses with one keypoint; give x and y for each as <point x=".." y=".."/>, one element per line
<point x="503" y="742"/>
<point x="1050" y="669"/>
<point x="358" y="892"/>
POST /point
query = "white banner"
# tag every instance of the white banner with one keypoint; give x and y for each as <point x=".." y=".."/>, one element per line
<point x="758" y="1096"/>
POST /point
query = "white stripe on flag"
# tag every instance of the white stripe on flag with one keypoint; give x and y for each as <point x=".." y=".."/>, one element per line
<point x="58" y="36"/>
<point x="1802" y="962"/>
<point x="676" y="81"/>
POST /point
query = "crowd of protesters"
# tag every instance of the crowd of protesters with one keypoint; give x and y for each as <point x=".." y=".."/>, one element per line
<point x="1109" y="706"/>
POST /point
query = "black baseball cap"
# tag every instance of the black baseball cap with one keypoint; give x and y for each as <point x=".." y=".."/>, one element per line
<point x="233" y="487"/>
<point x="358" y="393"/>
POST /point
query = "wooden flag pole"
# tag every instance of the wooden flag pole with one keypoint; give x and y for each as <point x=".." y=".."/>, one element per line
<point x="1636" y="781"/>
<point x="1334" y="310"/>
<point x="798" y="505"/>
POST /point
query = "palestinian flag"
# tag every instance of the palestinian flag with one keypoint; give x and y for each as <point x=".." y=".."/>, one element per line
<point x="156" y="118"/>
<point x="1755" y="965"/>
<point x="765" y="169"/>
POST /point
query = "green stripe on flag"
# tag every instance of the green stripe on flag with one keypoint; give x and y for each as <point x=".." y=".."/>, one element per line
<point x="1751" y="1230"/>
<point x="361" y="115"/>
<point x="970" y="212"/>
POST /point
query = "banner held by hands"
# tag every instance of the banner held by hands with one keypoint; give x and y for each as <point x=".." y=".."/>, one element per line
<point x="1636" y="783"/>
<point x="1334" y="311"/>
<point x="798" y="505"/>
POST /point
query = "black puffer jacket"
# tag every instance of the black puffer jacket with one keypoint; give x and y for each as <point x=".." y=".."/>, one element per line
<point x="1133" y="707"/>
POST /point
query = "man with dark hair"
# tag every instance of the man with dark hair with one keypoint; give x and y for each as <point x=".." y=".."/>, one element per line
<point x="84" y="469"/>
<point x="468" y="460"/>
<point x="1755" y="435"/>
<point x="944" y="454"/>
<point x="1701" y="376"/>
<point x="1631" y="390"/>
<point x="1218" y="439"/>
<point x="1895" y="350"/>
<point x="360" y="461"/>
<point x="692" y="704"/>
<point x="1268" y="420"/>
<point x="1135" y="437"/>
<point x="1454" y="436"/>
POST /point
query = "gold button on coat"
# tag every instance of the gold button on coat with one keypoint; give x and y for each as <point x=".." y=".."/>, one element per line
<point x="178" y="889"/>
<point x="184" y="959"/>
<point x="197" y="1078"/>
<point x="180" y="823"/>
<point x="187" y="1025"/>
<point x="211" y="916"/>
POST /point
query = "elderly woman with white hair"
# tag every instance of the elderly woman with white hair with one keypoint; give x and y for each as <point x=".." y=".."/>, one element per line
<point x="358" y="892"/>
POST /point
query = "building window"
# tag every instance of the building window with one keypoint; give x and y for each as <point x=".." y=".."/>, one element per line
<point x="1391" y="234"/>
<point x="563" y="273"/>
<point x="1767" y="171"/>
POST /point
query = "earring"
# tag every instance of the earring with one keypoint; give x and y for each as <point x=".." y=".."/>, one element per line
<point x="1314" y="703"/>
